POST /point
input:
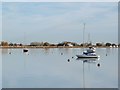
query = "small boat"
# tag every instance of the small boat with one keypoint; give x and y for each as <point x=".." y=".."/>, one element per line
<point x="25" y="50"/>
<point x="89" y="53"/>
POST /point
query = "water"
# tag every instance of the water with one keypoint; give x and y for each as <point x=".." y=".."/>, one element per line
<point x="50" y="68"/>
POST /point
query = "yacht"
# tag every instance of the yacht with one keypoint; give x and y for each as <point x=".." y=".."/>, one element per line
<point x="89" y="53"/>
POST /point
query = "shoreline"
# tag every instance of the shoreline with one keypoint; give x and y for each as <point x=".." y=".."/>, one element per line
<point x="17" y="47"/>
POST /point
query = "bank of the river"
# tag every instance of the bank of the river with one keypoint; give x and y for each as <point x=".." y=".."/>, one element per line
<point x="14" y="47"/>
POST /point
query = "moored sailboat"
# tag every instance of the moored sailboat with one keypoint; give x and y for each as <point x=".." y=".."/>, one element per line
<point x="89" y="53"/>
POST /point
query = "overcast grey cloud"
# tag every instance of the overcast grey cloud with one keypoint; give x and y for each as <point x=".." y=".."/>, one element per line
<point x="57" y="22"/>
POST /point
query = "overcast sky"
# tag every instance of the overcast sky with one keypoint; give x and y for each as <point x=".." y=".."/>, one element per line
<point x="57" y="22"/>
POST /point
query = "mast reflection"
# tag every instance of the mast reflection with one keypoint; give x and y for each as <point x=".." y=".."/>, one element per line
<point x="89" y="61"/>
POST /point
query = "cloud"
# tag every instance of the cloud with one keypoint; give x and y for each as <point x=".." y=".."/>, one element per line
<point x="59" y="18"/>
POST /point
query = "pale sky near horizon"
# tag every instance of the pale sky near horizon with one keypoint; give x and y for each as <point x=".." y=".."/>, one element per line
<point x="57" y="22"/>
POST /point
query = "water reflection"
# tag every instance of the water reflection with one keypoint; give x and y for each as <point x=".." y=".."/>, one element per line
<point x="5" y="51"/>
<point x="108" y="51"/>
<point x="88" y="60"/>
<point x="46" y="50"/>
<point x="58" y="68"/>
<point x="26" y="53"/>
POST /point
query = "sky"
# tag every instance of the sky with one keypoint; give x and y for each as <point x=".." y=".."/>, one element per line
<point x="54" y="22"/>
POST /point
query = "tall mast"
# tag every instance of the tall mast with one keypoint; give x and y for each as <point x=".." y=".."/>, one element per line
<point x="88" y="37"/>
<point x="83" y="35"/>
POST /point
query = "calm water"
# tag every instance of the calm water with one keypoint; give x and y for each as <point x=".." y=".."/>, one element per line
<point x="48" y="68"/>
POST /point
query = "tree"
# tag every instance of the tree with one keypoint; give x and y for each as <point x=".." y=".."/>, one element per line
<point x="11" y="44"/>
<point x="60" y="44"/>
<point x="118" y="45"/>
<point x="98" y="44"/>
<point x="108" y="44"/>
<point x="36" y="44"/>
<point x="20" y="44"/>
<point x="15" y="44"/>
<point x="46" y="44"/>
<point x="3" y="43"/>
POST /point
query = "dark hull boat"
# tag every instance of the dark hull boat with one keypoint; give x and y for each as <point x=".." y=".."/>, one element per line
<point x="25" y="50"/>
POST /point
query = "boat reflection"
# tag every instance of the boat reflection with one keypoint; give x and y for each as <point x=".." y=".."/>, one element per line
<point x="26" y="53"/>
<point x="89" y="60"/>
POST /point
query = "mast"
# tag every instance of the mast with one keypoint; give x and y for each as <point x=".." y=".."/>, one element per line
<point x="83" y="35"/>
<point x="88" y="37"/>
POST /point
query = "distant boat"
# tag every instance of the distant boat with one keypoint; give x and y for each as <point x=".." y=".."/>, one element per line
<point x="25" y="50"/>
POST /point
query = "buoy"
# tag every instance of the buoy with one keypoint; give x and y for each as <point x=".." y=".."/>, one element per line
<point x="106" y="54"/>
<point x="68" y="60"/>
<point x="9" y="52"/>
<point x="61" y="53"/>
<point x="98" y="64"/>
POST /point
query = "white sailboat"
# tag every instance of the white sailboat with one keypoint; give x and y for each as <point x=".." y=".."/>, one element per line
<point x="90" y="52"/>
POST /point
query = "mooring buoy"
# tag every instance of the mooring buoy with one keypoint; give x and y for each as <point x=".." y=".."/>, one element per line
<point x="68" y="60"/>
<point x="98" y="64"/>
<point x="61" y="53"/>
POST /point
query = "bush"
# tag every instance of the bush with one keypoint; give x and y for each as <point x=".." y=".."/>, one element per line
<point x="46" y="44"/>
<point x="108" y="44"/>
<point x="11" y="44"/>
<point x="99" y="44"/>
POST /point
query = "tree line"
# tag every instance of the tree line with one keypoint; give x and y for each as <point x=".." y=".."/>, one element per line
<point x="65" y="43"/>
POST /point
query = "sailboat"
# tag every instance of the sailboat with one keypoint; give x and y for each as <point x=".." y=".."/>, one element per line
<point x="90" y="52"/>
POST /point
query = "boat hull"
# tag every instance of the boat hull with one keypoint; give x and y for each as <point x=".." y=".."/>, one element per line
<point x="86" y="56"/>
<point x="25" y="50"/>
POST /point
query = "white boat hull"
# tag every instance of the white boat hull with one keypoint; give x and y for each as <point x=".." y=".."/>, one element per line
<point x="87" y="56"/>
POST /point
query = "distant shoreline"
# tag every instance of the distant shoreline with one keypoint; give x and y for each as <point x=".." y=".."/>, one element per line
<point x="14" y="47"/>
